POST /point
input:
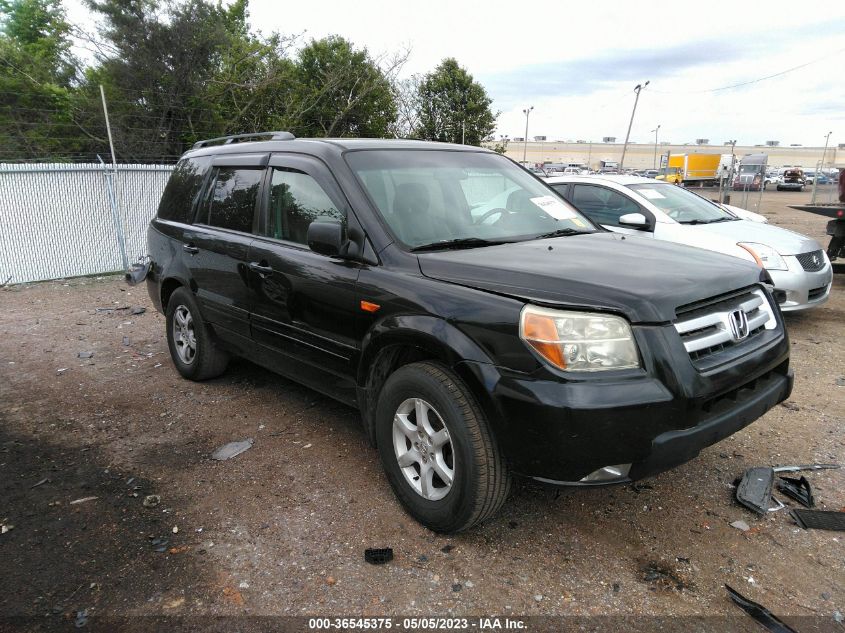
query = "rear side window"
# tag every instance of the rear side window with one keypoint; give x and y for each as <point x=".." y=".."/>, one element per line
<point x="231" y="200"/>
<point x="182" y="189"/>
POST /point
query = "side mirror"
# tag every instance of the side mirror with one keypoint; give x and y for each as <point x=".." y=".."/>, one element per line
<point x="325" y="236"/>
<point x="634" y="220"/>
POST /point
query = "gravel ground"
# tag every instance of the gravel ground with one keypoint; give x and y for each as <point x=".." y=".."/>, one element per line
<point x="281" y="529"/>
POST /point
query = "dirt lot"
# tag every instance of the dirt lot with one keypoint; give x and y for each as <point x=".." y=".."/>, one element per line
<point x="281" y="529"/>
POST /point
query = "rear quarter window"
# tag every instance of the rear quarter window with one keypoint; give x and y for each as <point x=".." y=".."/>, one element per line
<point x="182" y="189"/>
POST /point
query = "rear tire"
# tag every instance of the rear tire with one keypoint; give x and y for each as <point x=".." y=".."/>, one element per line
<point x="427" y="419"/>
<point x="192" y="346"/>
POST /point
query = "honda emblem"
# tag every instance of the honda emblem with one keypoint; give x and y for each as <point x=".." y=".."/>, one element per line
<point x="739" y="324"/>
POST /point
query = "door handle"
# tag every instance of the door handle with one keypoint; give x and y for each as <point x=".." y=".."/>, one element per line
<point x="262" y="269"/>
<point x="190" y="248"/>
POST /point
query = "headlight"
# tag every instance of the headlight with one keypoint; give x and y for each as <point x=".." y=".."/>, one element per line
<point x="765" y="256"/>
<point x="579" y="341"/>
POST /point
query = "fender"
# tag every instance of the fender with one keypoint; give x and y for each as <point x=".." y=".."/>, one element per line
<point x="158" y="277"/>
<point x="433" y="337"/>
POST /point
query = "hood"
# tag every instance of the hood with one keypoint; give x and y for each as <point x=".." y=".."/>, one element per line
<point x="745" y="214"/>
<point x="782" y="240"/>
<point x="643" y="279"/>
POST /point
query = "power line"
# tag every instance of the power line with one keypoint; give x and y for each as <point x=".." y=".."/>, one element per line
<point x="752" y="81"/>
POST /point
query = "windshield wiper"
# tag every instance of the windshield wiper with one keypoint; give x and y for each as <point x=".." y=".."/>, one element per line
<point x="696" y="221"/>
<point x="731" y="219"/>
<point x="461" y="242"/>
<point x="559" y="233"/>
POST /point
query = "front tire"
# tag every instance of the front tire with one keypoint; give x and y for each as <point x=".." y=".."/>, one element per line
<point x="437" y="449"/>
<point x="192" y="346"/>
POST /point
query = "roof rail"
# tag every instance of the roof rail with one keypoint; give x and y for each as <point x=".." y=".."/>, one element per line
<point x="240" y="138"/>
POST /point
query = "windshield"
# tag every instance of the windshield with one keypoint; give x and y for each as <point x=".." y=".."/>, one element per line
<point x="432" y="196"/>
<point x="681" y="205"/>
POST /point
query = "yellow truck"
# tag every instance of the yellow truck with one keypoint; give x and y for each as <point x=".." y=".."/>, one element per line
<point x="693" y="169"/>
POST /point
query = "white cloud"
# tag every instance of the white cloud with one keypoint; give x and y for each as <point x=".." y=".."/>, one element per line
<point x="577" y="63"/>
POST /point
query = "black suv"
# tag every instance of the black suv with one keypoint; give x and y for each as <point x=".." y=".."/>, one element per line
<point x="481" y="325"/>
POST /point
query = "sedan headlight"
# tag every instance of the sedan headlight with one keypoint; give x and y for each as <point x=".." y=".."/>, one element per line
<point x="765" y="256"/>
<point x="579" y="341"/>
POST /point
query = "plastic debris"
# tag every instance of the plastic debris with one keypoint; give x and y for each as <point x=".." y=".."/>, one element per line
<point x="82" y="500"/>
<point x="81" y="619"/>
<point x="376" y="556"/>
<point x="232" y="449"/>
<point x="760" y="613"/>
<point x="85" y="354"/>
<point x="40" y="483"/>
<point x="151" y="501"/>
<point x="138" y="310"/>
<point x="755" y="489"/>
<point x="795" y="469"/>
<point x="798" y="489"/>
<point x="740" y="525"/>
<point x="819" y="519"/>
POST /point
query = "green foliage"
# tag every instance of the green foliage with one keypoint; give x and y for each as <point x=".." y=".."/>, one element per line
<point x="453" y="107"/>
<point x="36" y="73"/>
<point x="175" y="71"/>
<point x="340" y="91"/>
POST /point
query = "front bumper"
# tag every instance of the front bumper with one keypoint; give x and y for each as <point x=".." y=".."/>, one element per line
<point x="797" y="289"/>
<point x="654" y="418"/>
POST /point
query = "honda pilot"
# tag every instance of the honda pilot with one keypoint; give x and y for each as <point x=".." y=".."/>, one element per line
<point x="481" y="325"/>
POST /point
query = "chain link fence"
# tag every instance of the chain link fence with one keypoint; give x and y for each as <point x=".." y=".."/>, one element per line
<point x="58" y="220"/>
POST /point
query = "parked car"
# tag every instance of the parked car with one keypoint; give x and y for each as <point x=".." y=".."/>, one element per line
<point x="792" y="179"/>
<point x="799" y="267"/>
<point x="482" y="326"/>
<point x="651" y="173"/>
<point x="745" y="214"/>
<point x="772" y="178"/>
<point x="809" y="177"/>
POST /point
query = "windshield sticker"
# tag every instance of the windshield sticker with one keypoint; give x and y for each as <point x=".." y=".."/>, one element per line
<point x="651" y="194"/>
<point x="554" y="207"/>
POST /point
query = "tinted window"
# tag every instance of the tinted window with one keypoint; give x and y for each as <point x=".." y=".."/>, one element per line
<point x="602" y="205"/>
<point x="182" y="189"/>
<point x="296" y="200"/>
<point x="231" y="203"/>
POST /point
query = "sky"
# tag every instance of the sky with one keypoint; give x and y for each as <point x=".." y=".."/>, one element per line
<point x="577" y="63"/>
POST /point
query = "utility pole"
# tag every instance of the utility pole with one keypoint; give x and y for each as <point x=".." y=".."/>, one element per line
<point x="724" y="197"/>
<point x="821" y="166"/>
<point x="654" y="162"/>
<point x="637" y="89"/>
<point x="526" y="112"/>
<point x="118" y="225"/>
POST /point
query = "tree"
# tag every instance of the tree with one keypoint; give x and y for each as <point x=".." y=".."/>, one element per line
<point x="341" y="91"/>
<point x="36" y="75"/>
<point x="454" y="107"/>
<point x="156" y="63"/>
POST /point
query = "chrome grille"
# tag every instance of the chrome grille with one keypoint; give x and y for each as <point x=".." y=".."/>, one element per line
<point x="723" y="323"/>
<point x="811" y="262"/>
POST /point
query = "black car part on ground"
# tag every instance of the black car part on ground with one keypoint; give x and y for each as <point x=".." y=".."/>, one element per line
<point x="755" y="489"/>
<point x="798" y="489"/>
<point x="760" y="613"/>
<point x="378" y="556"/>
<point x="819" y="519"/>
<point x="138" y="271"/>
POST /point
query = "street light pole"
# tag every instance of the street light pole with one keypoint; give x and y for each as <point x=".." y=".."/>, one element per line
<point x="526" y="112"/>
<point x="637" y="89"/>
<point x="654" y="162"/>
<point x="819" y="170"/>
